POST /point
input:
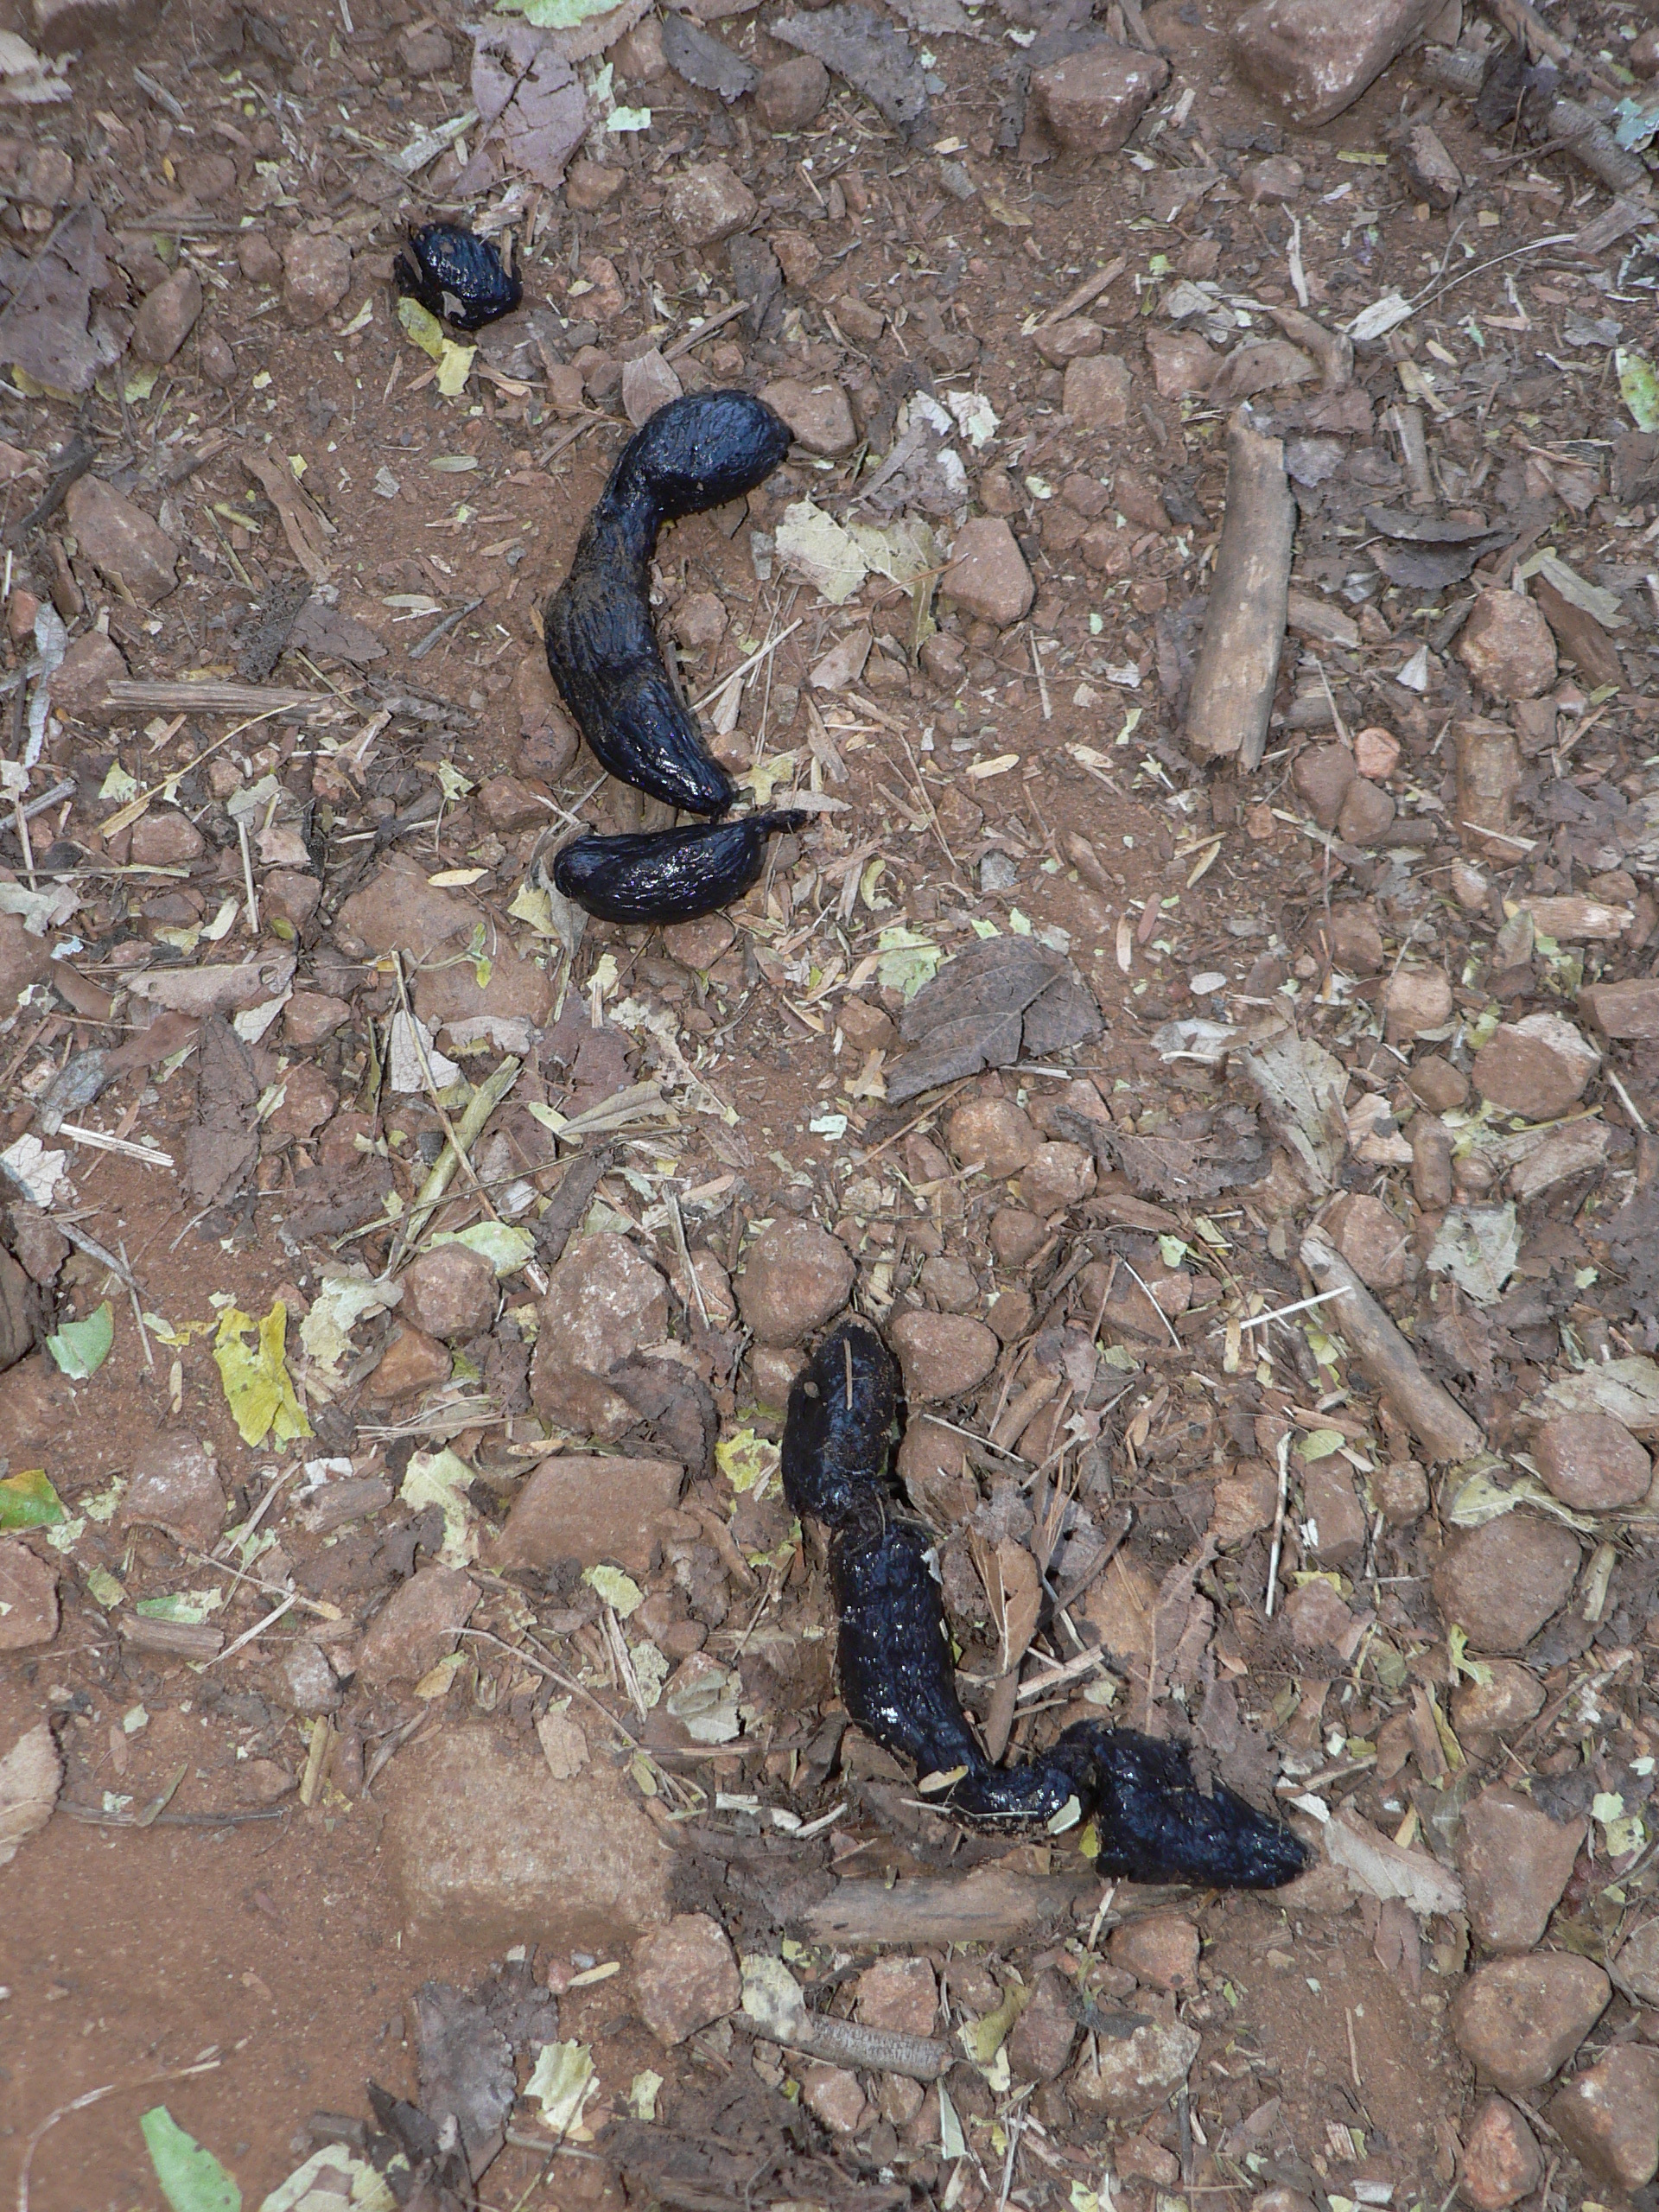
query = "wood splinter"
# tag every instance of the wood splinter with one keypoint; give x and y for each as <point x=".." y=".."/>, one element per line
<point x="1244" y="632"/>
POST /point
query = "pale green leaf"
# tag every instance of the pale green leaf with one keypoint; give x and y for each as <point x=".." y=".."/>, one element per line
<point x="1639" y="387"/>
<point x="80" y="1348"/>
<point x="907" y="961"/>
<point x="192" y="2179"/>
<point x="454" y="366"/>
<point x="620" y="1592"/>
<point x="423" y="327"/>
<point x="258" y="1386"/>
<point x="505" y="1246"/>
<point x="747" y="1461"/>
<point x="561" y="2083"/>
<point x="441" y="1478"/>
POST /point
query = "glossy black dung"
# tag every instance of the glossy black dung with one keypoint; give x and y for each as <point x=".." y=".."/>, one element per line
<point x="457" y="276"/>
<point x="674" y="876"/>
<point x="698" y="452"/>
<point x="1154" y="1822"/>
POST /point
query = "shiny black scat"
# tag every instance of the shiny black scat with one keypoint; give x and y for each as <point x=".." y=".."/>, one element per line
<point x="698" y="452"/>
<point x="1154" y="1822"/>
<point x="458" y="277"/>
<point x="675" y="876"/>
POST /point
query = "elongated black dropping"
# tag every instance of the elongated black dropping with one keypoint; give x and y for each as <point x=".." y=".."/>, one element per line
<point x="458" y="277"/>
<point x="674" y="876"/>
<point x="1154" y="1822"/>
<point x="699" y="451"/>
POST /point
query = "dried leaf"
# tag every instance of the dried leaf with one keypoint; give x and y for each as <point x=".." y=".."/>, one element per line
<point x="1387" y="1870"/>
<point x="31" y="1775"/>
<point x="1477" y="1247"/>
<point x="258" y="1386"/>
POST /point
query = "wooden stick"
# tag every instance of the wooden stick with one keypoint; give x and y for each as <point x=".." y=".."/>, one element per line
<point x="1432" y="1415"/>
<point x="212" y="698"/>
<point x="987" y="1906"/>
<point x="1244" y="631"/>
<point x="1086" y="293"/>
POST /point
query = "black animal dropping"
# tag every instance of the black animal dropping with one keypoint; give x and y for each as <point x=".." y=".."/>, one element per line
<point x="676" y="875"/>
<point x="458" y="277"/>
<point x="698" y="452"/>
<point x="1154" y="1821"/>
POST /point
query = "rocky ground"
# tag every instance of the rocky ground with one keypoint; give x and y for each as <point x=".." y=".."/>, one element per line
<point x="421" y="1772"/>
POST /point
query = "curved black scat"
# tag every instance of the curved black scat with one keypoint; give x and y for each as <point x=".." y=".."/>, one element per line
<point x="1154" y="1822"/>
<point x="698" y="452"/>
<point x="674" y="876"/>
<point x="458" y="276"/>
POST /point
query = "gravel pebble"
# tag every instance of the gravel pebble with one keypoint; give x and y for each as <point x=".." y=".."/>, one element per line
<point x="1502" y="1582"/>
<point x="685" y="1975"/>
<point x="1520" y="2020"/>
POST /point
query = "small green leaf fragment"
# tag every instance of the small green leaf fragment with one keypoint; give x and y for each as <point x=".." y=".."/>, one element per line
<point x="192" y="2179"/>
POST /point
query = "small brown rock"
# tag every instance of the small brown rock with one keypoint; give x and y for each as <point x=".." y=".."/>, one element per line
<point x="794" y="1277"/>
<point x="1593" y="1462"/>
<point x="1400" y="1489"/>
<point x="1010" y="1314"/>
<point x="309" y="1016"/>
<point x="950" y="1283"/>
<point x="1516" y="1862"/>
<point x="166" y="838"/>
<point x="685" y="1976"/>
<point x="1134" y="2074"/>
<point x="944" y="1355"/>
<point x="317" y="273"/>
<point x="1501" y="2159"/>
<point x="899" y="1994"/>
<point x="419" y="1625"/>
<point x="1638" y="1963"/>
<point x="411" y="1364"/>
<point x="1536" y="1067"/>
<point x="988" y="577"/>
<point x="1311" y="61"/>
<point x="591" y="1507"/>
<point x="1520" y="2020"/>
<point x="425" y="51"/>
<point x="1416" y="1000"/>
<point x="1508" y="647"/>
<point x="1499" y="1706"/>
<point x="820" y="416"/>
<point x="1040" y="2048"/>
<point x="1073" y="339"/>
<point x="256" y="257"/>
<point x="1091" y="102"/>
<point x="1015" y="1236"/>
<point x="1098" y="392"/>
<point x="80" y="684"/>
<point x="791" y="93"/>
<point x="1182" y="362"/>
<point x="1322" y="775"/>
<point x="589" y="186"/>
<point x="509" y="805"/>
<point x="1431" y="1163"/>
<point x="1644" y="54"/>
<point x="1440" y="1085"/>
<point x="1241" y="1505"/>
<point x="1277" y="178"/>
<point x="1161" y="1950"/>
<point x="167" y="316"/>
<point x="1056" y="1177"/>
<point x="1317" y="1618"/>
<point x="1627" y="1011"/>
<point x="1367" y="811"/>
<point x="1502" y="1582"/>
<point x="1355" y="941"/>
<point x="603" y="1304"/>
<point x="1334" y="1514"/>
<point x="175" y="1486"/>
<point x="772" y="1369"/>
<point x="121" y="539"/>
<point x="992" y="1134"/>
<point x="29" y="1599"/>
<point x="292" y="895"/>
<point x="707" y="202"/>
<point x="833" y="2094"/>
<point x="308" y="1100"/>
<point x="1608" y="2117"/>
<point x="699" y="945"/>
<point x="1375" y="1243"/>
<point x="449" y="1291"/>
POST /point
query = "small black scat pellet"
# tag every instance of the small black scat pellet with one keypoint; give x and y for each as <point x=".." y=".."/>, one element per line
<point x="458" y="277"/>
<point x="674" y="875"/>
<point x="1153" y="1821"/>
<point x="698" y="452"/>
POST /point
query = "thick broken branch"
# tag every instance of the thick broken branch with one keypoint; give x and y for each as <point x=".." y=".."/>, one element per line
<point x="987" y="1906"/>
<point x="1238" y="663"/>
<point x="1432" y="1415"/>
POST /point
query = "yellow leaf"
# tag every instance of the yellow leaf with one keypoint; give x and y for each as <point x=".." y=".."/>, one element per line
<point x="425" y="329"/>
<point x="258" y="1386"/>
<point x="454" y="366"/>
